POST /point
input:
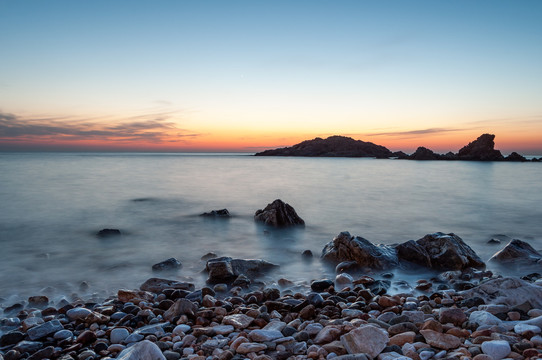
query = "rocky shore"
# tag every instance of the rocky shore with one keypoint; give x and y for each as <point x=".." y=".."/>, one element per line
<point x="465" y="313"/>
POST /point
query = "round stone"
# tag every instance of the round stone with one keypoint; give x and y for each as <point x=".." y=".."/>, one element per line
<point x="497" y="349"/>
<point x="118" y="335"/>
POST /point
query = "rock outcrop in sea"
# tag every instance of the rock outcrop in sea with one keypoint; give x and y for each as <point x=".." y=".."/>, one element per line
<point x="333" y="146"/>
<point x="481" y="149"/>
<point x="278" y="214"/>
<point x="517" y="250"/>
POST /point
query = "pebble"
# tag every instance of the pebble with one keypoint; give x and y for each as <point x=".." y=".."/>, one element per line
<point x="497" y="349"/>
<point x="118" y="335"/>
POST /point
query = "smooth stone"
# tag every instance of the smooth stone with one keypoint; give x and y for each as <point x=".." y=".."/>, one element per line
<point x="482" y="317"/>
<point x="144" y="350"/>
<point x="181" y="329"/>
<point x="134" y="338"/>
<point x="275" y="325"/>
<point x="156" y="329"/>
<point x="246" y="348"/>
<point x="440" y="340"/>
<point x="62" y="334"/>
<point x="264" y="335"/>
<point x="223" y="329"/>
<point x="118" y="335"/>
<point x="414" y="316"/>
<point x="367" y="339"/>
<point x="116" y="348"/>
<point x="313" y="329"/>
<point x="28" y="346"/>
<point x="45" y="329"/>
<point x="392" y="356"/>
<point x="239" y="321"/>
<point x="523" y="328"/>
<point x="78" y="313"/>
<point x="10" y="338"/>
<point x="351" y="313"/>
<point x="497" y="349"/>
<point x="537" y="340"/>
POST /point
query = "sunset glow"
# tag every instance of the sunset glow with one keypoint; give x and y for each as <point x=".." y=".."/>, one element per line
<point x="243" y="76"/>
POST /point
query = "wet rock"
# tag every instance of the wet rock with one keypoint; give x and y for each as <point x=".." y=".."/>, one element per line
<point x="246" y="348"/>
<point x="482" y="149"/>
<point x="264" y="335"/>
<point x="169" y="264"/>
<point x="321" y="285"/>
<point x="45" y="329"/>
<point x="181" y="307"/>
<point x="238" y="321"/>
<point x="345" y="247"/>
<point x="452" y="315"/>
<point x="278" y="214"/>
<point x="510" y="291"/>
<point x="43" y="353"/>
<point x="367" y="339"/>
<point x="144" y="350"/>
<point x="226" y="269"/>
<point x="105" y="233"/>
<point x="447" y="252"/>
<point x="78" y="313"/>
<point x="38" y="301"/>
<point x="157" y="285"/>
<point x="412" y="252"/>
<point x="132" y="296"/>
<point x="28" y="346"/>
<point x="118" y="335"/>
<point x="10" y="338"/>
<point x="516" y="250"/>
<point x="222" y="213"/>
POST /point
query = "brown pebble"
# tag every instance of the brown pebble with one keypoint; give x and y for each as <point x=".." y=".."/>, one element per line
<point x="530" y="353"/>
<point x="482" y="357"/>
<point x="86" y="337"/>
<point x="514" y="315"/>
<point x="432" y="324"/>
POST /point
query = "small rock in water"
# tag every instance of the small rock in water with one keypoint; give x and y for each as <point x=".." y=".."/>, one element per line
<point x="104" y="233"/>
<point x="278" y="214"/>
<point x="307" y="254"/>
<point x="169" y="264"/>
<point x="493" y="241"/>
<point x="222" y="213"/>
<point x="38" y="301"/>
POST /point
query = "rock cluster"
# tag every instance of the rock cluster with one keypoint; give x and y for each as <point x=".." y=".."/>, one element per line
<point x="437" y="251"/>
<point x="359" y="321"/>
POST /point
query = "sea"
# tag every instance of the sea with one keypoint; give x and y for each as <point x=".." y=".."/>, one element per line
<point x="53" y="204"/>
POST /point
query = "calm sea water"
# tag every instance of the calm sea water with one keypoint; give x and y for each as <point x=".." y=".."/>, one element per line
<point x="51" y="206"/>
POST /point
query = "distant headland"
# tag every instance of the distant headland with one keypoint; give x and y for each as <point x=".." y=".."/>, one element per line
<point x="481" y="149"/>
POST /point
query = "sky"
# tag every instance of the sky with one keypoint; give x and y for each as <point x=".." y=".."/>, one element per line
<point x="252" y="75"/>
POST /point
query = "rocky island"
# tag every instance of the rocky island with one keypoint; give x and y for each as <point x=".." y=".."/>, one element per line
<point x="481" y="149"/>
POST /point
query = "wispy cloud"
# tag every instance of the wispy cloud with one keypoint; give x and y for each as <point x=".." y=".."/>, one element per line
<point x="154" y="128"/>
<point x="414" y="133"/>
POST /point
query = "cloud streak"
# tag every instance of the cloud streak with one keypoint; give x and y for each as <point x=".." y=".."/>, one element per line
<point x="415" y="133"/>
<point x="153" y="128"/>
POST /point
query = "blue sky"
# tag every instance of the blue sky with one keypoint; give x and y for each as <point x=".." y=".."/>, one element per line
<point x="277" y="71"/>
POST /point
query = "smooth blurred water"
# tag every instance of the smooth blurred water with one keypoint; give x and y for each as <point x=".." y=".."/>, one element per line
<point x="52" y="204"/>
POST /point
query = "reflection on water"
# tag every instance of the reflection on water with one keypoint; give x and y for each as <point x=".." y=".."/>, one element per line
<point x="53" y="205"/>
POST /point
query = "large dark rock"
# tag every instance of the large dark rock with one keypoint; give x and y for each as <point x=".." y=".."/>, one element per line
<point x="169" y="264"/>
<point x="423" y="153"/>
<point x="333" y="146"/>
<point x="413" y="252"/>
<point x="157" y="285"/>
<point x="482" y="149"/>
<point x="226" y="269"/>
<point x="222" y="213"/>
<point x="448" y="252"/>
<point x="345" y="247"/>
<point x="517" y="250"/>
<point x="104" y="233"/>
<point x="278" y="214"/>
<point x="516" y="157"/>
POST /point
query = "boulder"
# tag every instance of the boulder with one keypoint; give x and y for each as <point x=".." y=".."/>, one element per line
<point x="278" y="214"/>
<point x="157" y="285"/>
<point x="516" y="250"/>
<point x="104" y="233"/>
<point x="345" y="247"/>
<point x="222" y="213"/>
<point x="510" y="291"/>
<point x="447" y="252"/>
<point x="226" y="269"/>
<point x="169" y="264"/>
<point x="482" y="149"/>
<point x="413" y="252"/>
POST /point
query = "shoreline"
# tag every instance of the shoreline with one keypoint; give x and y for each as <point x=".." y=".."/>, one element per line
<point x="332" y="319"/>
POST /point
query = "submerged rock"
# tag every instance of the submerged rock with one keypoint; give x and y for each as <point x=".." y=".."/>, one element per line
<point x="516" y="250"/>
<point x="345" y="247"/>
<point x="223" y="213"/>
<point x="104" y="233"/>
<point x="169" y="264"/>
<point x="278" y="214"/>
<point x="226" y="269"/>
